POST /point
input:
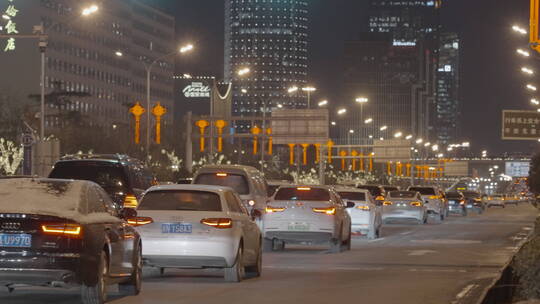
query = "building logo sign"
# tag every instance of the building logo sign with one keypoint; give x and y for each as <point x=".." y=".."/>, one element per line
<point x="196" y="90"/>
<point x="8" y="25"/>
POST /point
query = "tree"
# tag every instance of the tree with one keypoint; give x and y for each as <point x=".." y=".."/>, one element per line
<point x="534" y="176"/>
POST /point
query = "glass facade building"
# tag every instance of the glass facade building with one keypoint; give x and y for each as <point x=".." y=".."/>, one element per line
<point x="270" y="38"/>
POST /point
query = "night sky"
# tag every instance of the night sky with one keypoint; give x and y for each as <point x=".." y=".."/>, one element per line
<point x="491" y="80"/>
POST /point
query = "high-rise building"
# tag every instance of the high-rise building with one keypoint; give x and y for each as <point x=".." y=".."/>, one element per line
<point x="104" y="55"/>
<point x="448" y="108"/>
<point x="270" y="38"/>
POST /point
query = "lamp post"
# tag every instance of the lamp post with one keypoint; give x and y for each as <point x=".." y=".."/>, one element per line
<point x="309" y="90"/>
<point x="148" y="68"/>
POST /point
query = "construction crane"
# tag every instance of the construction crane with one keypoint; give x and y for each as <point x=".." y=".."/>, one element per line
<point x="534" y="40"/>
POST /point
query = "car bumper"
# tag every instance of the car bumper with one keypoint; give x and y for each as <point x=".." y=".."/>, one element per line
<point x="40" y="269"/>
<point x="403" y="215"/>
<point x="300" y="237"/>
<point x="174" y="261"/>
<point x="191" y="252"/>
<point x="29" y="276"/>
<point x="456" y="209"/>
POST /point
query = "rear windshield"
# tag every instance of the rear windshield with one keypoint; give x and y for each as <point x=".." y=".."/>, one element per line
<point x="294" y="194"/>
<point x="181" y="200"/>
<point x="423" y="191"/>
<point x="235" y="181"/>
<point x="272" y="189"/>
<point x="109" y="177"/>
<point x="374" y="190"/>
<point x="471" y="194"/>
<point x="453" y="195"/>
<point x="387" y="189"/>
<point x="353" y="196"/>
<point x="402" y="194"/>
<point x="497" y="197"/>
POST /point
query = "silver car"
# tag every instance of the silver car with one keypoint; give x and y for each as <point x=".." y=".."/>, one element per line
<point x="366" y="217"/>
<point x="404" y="205"/>
<point x="198" y="226"/>
<point x="434" y="200"/>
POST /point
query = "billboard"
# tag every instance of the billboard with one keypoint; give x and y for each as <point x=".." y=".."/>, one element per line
<point x="392" y="150"/>
<point x="456" y="168"/>
<point x="192" y="94"/>
<point x="299" y="126"/>
<point x="517" y="169"/>
<point x="520" y="125"/>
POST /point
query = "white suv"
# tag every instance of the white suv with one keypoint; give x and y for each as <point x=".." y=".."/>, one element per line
<point x="433" y="199"/>
<point x="307" y="214"/>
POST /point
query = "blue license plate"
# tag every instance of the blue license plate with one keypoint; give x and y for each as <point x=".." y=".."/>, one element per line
<point x="176" y="228"/>
<point x="15" y="240"/>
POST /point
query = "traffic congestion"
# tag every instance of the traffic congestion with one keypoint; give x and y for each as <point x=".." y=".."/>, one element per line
<point x="100" y="220"/>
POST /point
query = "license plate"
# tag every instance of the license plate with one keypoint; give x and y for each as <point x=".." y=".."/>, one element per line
<point x="298" y="226"/>
<point x="16" y="240"/>
<point x="176" y="228"/>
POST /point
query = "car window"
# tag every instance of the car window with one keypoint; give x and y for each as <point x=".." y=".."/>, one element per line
<point x="302" y="193"/>
<point x="112" y="178"/>
<point x="94" y="201"/>
<point x="111" y="207"/>
<point x="237" y="182"/>
<point x="232" y="203"/>
<point x="183" y="200"/>
<point x="353" y="196"/>
<point x="423" y="190"/>
<point x="402" y="194"/>
<point x="239" y="202"/>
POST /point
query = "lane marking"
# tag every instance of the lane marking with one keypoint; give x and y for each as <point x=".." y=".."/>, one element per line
<point x="447" y="242"/>
<point x="464" y="293"/>
<point x="376" y="240"/>
<point x="405" y="233"/>
<point x="421" y="252"/>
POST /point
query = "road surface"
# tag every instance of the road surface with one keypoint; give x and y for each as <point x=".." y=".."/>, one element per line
<point x="452" y="262"/>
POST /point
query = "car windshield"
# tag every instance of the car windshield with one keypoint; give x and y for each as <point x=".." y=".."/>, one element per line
<point x="402" y="194"/>
<point x="388" y="189"/>
<point x="110" y="177"/>
<point x="470" y="194"/>
<point x="423" y="190"/>
<point x="235" y="181"/>
<point x="353" y="196"/>
<point x="181" y="200"/>
<point x="302" y="194"/>
<point x="453" y="195"/>
<point x="374" y="190"/>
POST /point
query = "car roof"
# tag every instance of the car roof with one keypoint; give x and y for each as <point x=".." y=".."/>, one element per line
<point x="307" y="186"/>
<point x="351" y="189"/>
<point x="193" y="187"/>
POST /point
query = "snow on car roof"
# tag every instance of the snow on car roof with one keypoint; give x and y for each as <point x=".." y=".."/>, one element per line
<point x="54" y="197"/>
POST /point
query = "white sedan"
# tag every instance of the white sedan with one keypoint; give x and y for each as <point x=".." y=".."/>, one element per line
<point x="307" y="214"/>
<point x="366" y="215"/>
<point x="198" y="226"/>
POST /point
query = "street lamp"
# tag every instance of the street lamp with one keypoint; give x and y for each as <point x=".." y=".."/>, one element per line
<point x="383" y="128"/>
<point x="361" y="100"/>
<point x="87" y="11"/>
<point x="519" y="30"/>
<point x="323" y="103"/>
<point x="244" y="91"/>
<point x="333" y="123"/>
<point x="527" y="70"/>
<point x="419" y="141"/>
<point x="531" y="87"/>
<point x="148" y="67"/>
<point x="368" y="121"/>
<point x="342" y="111"/>
<point x="243" y="71"/>
<point x="309" y="90"/>
<point x="523" y="53"/>
<point x="398" y="134"/>
<point x="119" y="53"/>
<point x="408" y="136"/>
<point x="535" y="101"/>
<point x="292" y="89"/>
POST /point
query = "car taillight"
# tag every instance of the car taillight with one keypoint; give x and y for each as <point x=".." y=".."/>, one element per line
<point x="380" y="198"/>
<point x="387" y="203"/>
<point x="219" y="223"/>
<point x="416" y="204"/>
<point x="462" y="202"/>
<point x="130" y="201"/>
<point x="140" y="221"/>
<point x="62" y="229"/>
<point x="364" y="208"/>
<point x="270" y="209"/>
<point x="434" y="197"/>
<point x="329" y="211"/>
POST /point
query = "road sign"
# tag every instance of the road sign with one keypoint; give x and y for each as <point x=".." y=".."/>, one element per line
<point x="27" y="140"/>
<point x="301" y="126"/>
<point x="517" y="169"/>
<point x="520" y="125"/>
<point x="392" y="150"/>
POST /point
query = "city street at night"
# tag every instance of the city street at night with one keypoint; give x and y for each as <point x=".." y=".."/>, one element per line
<point x="453" y="262"/>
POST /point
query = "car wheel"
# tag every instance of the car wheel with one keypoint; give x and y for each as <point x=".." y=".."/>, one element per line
<point x="97" y="294"/>
<point x="236" y="272"/>
<point x="347" y="244"/>
<point x="133" y="286"/>
<point x="161" y="271"/>
<point x="335" y="244"/>
<point x="256" y="270"/>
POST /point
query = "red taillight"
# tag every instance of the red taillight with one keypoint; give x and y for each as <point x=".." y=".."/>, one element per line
<point x="379" y="198"/>
<point x="62" y="229"/>
<point x="462" y="202"/>
<point x="329" y="211"/>
<point x="416" y="204"/>
<point x="219" y="223"/>
<point x="270" y="209"/>
<point x="130" y="201"/>
<point x="140" y="221"/>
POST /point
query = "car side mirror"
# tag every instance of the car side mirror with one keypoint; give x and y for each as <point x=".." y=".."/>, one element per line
<point x="256" y="213"/>
<point x="127" y="213"/>
<point x="350" y="204"/>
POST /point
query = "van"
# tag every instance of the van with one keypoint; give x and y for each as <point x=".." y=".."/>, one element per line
<point x="247" y="181"/>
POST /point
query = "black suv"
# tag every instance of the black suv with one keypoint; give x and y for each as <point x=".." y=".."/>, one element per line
<point x="124" y="178"/>
<point x="376" y="191"/>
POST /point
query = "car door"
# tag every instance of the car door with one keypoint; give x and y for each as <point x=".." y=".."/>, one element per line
<point x="344" y="219"/>
<point x="249" y="228"/>
<point x="375" y="210"/>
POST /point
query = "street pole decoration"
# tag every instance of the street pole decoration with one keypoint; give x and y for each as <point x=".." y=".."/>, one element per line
<point x="137" y="110"/>
<point x="291" y="153"/>
<point x="202" y="124"/>
<point x="317" y="153"/>
<point x="330" y="144"/>
<point x="270" y="141"/>
<point x="304" y="153"/>
<point x="354" y="160"/>
<point x="158" y="110"/>
<point x="389" y="168"/>
<point x="343" y="153"/>
<point x="255" y="131"/>
<point x="409" y="170"/>
<point x="371" y="162"/>
<point x="220" y="125"/>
